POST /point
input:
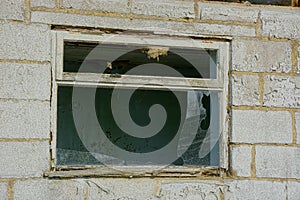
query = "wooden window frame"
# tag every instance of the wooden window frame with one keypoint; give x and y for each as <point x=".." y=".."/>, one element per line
<point x="61" y="78"/>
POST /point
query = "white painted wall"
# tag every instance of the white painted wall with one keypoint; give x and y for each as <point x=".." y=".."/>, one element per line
<point x="264" y="97"/>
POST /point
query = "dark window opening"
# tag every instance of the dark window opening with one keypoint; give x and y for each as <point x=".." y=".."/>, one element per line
<point x="189" y="62"/>
<point x="71" y="150"/>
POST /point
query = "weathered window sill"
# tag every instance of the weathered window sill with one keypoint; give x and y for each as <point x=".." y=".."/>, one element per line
<point x="132" y="172"/>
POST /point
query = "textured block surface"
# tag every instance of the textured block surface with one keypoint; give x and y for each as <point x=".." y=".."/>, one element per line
<point x="42" y="3"/>
<point x="49" y="189"/>
<point x="279" y="25"/>
<point x="190" y="190"/>
<point x="252" y="189"/>
<point x="297" y="117"/>
<point x="282" y="91"/>
<point x="120" y="189"/>
<point x="3" y="191"/>
<point x="25" y="81"/>
<point x="120" y="6"/>
<point x="261" y="56"/>
<point x="24" y="119"/>
<point x="24" y="159"/>
<point x="245" y="90"/>
<point x="223" y="12"/>
<point x="277" y="162"/>
<point x="24" y="42"/>
<point x="164" y="8"/>
<point x="293" y="190"/>
<point x="254" y="126"/>
<point x="12" y="9"/>
<point x="241" y="160"/>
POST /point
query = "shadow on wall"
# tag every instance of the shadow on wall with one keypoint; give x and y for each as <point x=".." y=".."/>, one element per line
<point x="266" y="2"/>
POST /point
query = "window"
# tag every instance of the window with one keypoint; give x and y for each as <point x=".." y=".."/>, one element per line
<point x="139" y="100"/>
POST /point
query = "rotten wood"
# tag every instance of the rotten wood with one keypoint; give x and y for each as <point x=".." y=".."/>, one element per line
<point x="135" y="172"/>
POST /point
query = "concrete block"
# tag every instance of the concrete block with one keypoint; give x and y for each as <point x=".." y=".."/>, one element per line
<point x="297" y="116"/>
<point x="241" y="160"/>
<point x="164" y="8"/>
<point x="293" y="190"/>
<point x="42" y="3"/>
<point x="120" y="189"/>
<point x="24" y="159"/>
<point x="261" y="56"/>
<point x="119" y="6"/>
<point x="245" y="90"/>
<point x="24" y="119"/>
<point x="252" y="189"/>
<point x="169" y="27"/>
<point x="255" y="126"/>
<point x="226" y="30"/>
<point x="222" y="12"/>
<point x="282" y="91"/>
<point x="185" y="189"/>
<point x="3" y="191"/>
<point x="49" y="189"/>
<point x="298" y="59"/>
<point x="25" y="81"/>
<point x="277" y="161"/>
<point x="25" y="42"/>
<point x="12" y="9"/>
<point x="279" y="24"/>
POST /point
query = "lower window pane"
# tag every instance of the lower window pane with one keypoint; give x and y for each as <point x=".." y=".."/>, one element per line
<point x="129" y="127"/>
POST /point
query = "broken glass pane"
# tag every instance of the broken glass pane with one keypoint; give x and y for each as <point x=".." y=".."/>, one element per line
<point x="128" y="127"/>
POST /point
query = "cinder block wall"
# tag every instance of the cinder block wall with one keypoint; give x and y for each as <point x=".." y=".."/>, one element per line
<point x="264" y="107"/>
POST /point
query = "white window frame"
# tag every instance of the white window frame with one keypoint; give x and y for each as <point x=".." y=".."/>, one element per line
<point x="60" y="78"/>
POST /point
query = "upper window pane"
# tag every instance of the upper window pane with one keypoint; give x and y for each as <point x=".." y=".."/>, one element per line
<point x="152" y="60"/>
